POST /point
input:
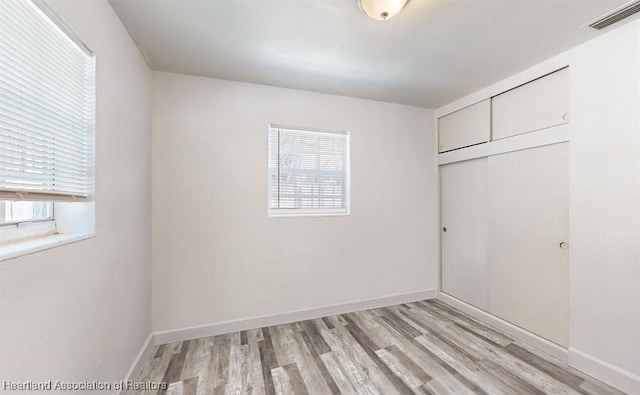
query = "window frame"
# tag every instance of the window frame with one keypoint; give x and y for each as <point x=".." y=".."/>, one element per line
<point x="9" y="193"/>
<point x="311" y="212"/>
<point x="4" y="225"/>
<point x="64" y="226"/>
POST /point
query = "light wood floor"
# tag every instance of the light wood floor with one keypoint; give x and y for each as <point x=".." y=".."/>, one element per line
<point x="424" y="347"/>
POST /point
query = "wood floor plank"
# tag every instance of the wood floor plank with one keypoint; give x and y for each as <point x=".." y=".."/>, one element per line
<point x="547" y="367"/>
<point x="280" y="382"/>
<point x="193" y="359"/>
<point x="345" y="365"/>
<point x="159" y="350"/>
<point x="206" y="369"/>
<point x="223" y="346"/>
<point x="467" y="371"/>
<point x="370" y="348"/>
<point x="239" y="370"/>
<point x="255" y="365"/>
<point x="378" y="333"/>
<point x="523" y="370"/>
<point x="319" y="345"/>
<point x="427" y="360"/>
<point x="468" y="353"/>
<point x="320" y="365"/>
<point x="174" y="368"/>
<point x="337" y="374"/>
<point x="295" y="380"/>
<point x="259" y="334"/>
<point x="303" y="354"/>
<point x="283" y="343"/>
<point x="409" y="364"/>
<point x="513" y="383"/>
<point x="424" y="347"/>
<point x="449" y="386"/>
<point x="268" y="362"/>
<point x="357" y="368"/>
<point x="327" y="322"/>
<point x="592" y="388"/>
<point x="190" y="386"/>
<point x="154" y="372"/>
<point x="339" y="319"/>
<point x="397" y="320"/>
<point x="175" y="388"/>
<point x="399" y="370"/>
<point x="449" y="314"/>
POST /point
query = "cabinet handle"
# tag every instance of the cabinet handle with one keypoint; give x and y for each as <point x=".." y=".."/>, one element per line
<point x="444" y="229"/>
<point x="564" y="245"/>
<point x="565" y="116"/>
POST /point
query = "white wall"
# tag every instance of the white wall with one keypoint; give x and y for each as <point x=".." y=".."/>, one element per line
<point x="604" y="200"/>
<point x="82" y="311"/>
<point x="217" y="256"/>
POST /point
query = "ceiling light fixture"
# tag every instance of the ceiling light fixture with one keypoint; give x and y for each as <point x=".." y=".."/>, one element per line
<point x="381" y="10"/>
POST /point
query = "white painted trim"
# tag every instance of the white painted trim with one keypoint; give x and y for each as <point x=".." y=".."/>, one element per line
<point x="553" y="135"/>
<point x="218" y="328"/>
<point x="548" y="66"/>
<point x="297" y="212"/>
<point x="18" y="249"/>
<point x="508" y="328"/>
<point x="608" y="373"/>
<point x="140" y="360"/>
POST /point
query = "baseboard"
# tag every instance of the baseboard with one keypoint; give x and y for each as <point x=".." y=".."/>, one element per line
<point x="219" y="328"/>
<point x="508" y="328"/>
<point x="140" y="360"/>
<point x="614" y="376"/>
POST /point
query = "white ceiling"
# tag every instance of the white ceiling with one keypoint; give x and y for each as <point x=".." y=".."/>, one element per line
<point x="433" y="52"/>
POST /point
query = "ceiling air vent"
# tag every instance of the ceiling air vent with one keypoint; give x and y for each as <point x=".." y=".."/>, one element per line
<point x="616" y="15"/>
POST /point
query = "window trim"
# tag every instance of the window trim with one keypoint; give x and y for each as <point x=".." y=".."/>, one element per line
<point x="17" y="224"/>
<point x="58" y="23"/>
<point x="308" y="212"/>
<point x="26" y="231"/>
<point x="9" y="252"/>
<point x="65" y="228"/>
<point x="20" y="193"/>
<point x="312" y="212"/>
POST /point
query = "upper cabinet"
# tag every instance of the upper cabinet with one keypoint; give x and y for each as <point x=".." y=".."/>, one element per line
<point x="539" y="104"/>
<point x="469" y="126"/>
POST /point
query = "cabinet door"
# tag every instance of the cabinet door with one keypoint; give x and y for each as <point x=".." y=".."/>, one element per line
<point x="537" y="105"/>
<point x="528" y="219"/>
<point x="464" y="244"/>
<point x="469" y="126"/>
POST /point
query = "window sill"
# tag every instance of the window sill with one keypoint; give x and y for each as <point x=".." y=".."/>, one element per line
<point x="10" y="251"/>
<point x="295" y="213"/>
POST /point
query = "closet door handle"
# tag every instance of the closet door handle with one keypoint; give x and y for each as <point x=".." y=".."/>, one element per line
<point x="564" y="245"/>
<point x="444" y="229"/>
<point x="565" y="116"/>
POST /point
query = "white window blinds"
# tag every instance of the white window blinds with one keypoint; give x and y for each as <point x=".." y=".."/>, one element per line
<point x="308" y="171"/>
<point x="47" y="102"/>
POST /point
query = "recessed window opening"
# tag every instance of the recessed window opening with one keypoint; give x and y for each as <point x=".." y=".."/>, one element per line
<point x="308" y="172"/>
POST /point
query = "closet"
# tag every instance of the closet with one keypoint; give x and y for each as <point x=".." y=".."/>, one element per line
<point x="504" y="239"/>
<point x="466" y="127"/>
<point x="540" y="104"/>
<point x="465" y="232"/>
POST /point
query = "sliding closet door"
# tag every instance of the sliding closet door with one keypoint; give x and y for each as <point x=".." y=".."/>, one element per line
<point x="528" y="220"/>
<point x="464" y="231"/>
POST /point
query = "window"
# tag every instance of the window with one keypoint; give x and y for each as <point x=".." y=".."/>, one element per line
<point x="46" y="108"/>
<point x="308" y="172"/>
<point x="16" y="212"/>
<point x="47" y="103"/>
